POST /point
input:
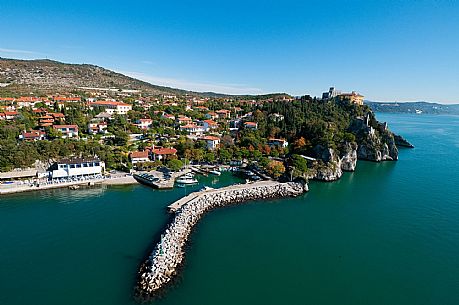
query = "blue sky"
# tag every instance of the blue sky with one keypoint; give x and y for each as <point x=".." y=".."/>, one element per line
<point x="387" y="50"/>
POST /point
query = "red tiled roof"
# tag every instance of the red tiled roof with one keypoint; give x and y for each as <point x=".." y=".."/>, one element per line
<point x="28" y="99"/>
<point x="65" y="126"/>
<point x="63" y="99"/>
<point x="210" y="122"/>
<point x="189" y="126"/>
<point x="108" y="103"/>
<point x="250" y="123"/>
<point x="210" y="138"/>
<point x="139" y="154"/>
<point x="164" y="151"/>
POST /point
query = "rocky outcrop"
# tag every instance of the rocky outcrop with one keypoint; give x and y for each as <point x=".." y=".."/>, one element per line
<point x="330" y="164"/>
<point x="401" y="141"/>
<point x="162" y="264"/>
<point x="348" y="157"/>
<point x="378" y="148"/>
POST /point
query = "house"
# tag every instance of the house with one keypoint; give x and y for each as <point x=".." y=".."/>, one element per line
<point x="45" y="121"/>
<point x="68" y="131"/>
<point x="223" y="114"/>
<point x="251" y="125"/>
<point x="95" y="127"/>
<point x="200" y="108"/>
<point x="144" y="123"/>
<point x="32" y="135"/>
<point x="112" y="107"/>
<point x="27" y="101"/>
<point x="57" y="116"/>
<point x="211" y="116"/>
<point x="104" y="116"/>
<point x="162" y="153"/>
<point x="209" y="125"/>
<point x="139" y="156"/>
<point x="67" y="99"/>
<point x="76" y="167"/>
<point x="212" y="142"/>
<point x="277" y="142"/>
<point x="192" y="129"/>
<point x="276" y="117"/>
<point x="168" y="116"/>
<point x="10" y="115"/>
<point x="183" y="120"/>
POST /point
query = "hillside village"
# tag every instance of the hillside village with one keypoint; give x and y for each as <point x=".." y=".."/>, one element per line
<point x="144" y="132"/>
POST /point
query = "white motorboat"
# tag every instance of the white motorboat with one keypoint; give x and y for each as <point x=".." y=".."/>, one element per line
<point x="186" y="179"/>
<point x="215" y="172"/>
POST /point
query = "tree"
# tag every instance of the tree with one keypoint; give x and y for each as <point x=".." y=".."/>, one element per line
<point x="175" y="164"/>
<point x="275" y="168"/>
<point x="225" y="155"/>
<point x="300" y="165"/>
<point x="209" y="157"/>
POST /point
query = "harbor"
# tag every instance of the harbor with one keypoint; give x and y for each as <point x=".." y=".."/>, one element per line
<point x="161" y="265"/>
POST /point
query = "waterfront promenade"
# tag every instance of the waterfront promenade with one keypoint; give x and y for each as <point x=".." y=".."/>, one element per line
<point x="162" y="264"/>
<point x="46" y="185"/>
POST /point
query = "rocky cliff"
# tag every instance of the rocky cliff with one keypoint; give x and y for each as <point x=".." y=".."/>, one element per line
<point x="331" y="163"/>
<point x="378" y="148"/>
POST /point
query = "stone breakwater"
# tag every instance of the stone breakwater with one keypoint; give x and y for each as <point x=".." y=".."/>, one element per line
<point x="162" y="264"/>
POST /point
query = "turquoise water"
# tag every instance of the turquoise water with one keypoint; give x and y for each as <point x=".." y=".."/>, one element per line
<point x="386" y="234"/>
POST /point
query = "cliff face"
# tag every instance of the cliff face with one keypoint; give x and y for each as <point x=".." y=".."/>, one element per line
<point x="378" y="148"/>
<point x="331" y="164"/>
<point x="375" y="141"/>
<point x="348" y="155"/>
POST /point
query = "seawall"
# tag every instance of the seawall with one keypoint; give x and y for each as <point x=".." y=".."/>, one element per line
<point x="162" y="264"/>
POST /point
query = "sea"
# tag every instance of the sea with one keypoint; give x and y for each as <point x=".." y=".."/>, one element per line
<point x="387" y="233"/>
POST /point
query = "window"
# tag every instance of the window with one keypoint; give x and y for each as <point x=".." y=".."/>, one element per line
<point x="85" y="164"/>
<point x="78" y="165"/>
<point x="97" y="164"/>
<point x="72" y="165"/>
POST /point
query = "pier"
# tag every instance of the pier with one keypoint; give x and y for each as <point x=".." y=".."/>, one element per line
<point x="162" y="264"/>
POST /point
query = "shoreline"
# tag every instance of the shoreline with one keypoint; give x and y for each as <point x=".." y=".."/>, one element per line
<point x="15" y="189"/>
<point x="162" y="265"/>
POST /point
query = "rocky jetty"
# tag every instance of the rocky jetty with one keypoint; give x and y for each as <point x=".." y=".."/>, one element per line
<point x="162" y="264"/>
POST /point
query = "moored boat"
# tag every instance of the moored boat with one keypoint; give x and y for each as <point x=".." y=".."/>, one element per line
<point x="215" y="172"/>
<point x="186" y="179"/>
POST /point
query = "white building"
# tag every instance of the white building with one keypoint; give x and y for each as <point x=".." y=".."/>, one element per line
<point x="139" y="156"/>
<point x="68" y="131"/>
<point x="192" y="129"/>
<point x="76" y="167"/>
<point x="112" y="107"/>
<point x="97" y="127"/>
<point x="212" y="142"/>
<point x="144" y="123"/>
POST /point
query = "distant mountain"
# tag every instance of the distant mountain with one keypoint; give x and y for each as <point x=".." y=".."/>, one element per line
<point x="413" y="107"/>
<point x="42" y="76"/>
